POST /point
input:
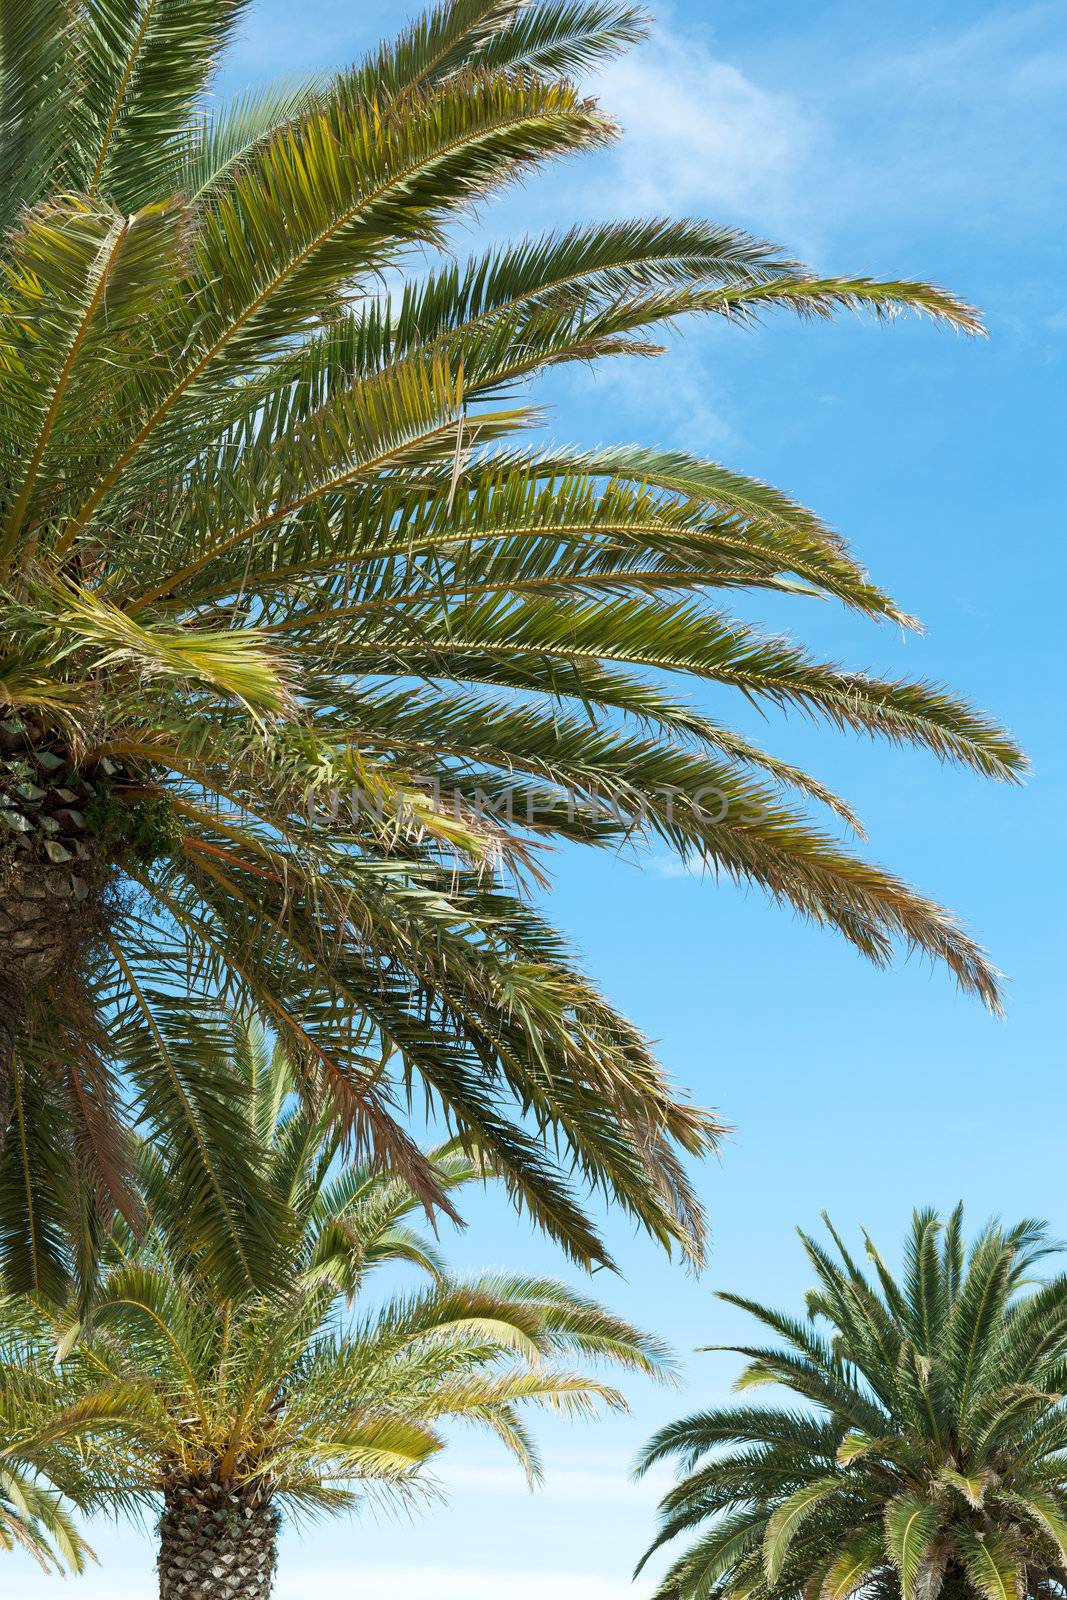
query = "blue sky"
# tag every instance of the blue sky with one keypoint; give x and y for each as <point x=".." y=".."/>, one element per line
<point x="924" y="138"/>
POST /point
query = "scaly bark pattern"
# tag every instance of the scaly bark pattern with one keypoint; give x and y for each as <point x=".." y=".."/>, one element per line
<point x="217" y="1542"/>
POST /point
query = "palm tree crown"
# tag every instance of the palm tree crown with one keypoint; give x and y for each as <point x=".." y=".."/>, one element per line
<point x="927" y="1455"/>
<point x="305" y="651"/>
<point x="235" y="1402"/>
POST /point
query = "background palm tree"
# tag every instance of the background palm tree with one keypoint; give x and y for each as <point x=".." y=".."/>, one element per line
<point x="275" y="565"/>
<point x="927" y="1456"/>
<point x="237" y="1404"/>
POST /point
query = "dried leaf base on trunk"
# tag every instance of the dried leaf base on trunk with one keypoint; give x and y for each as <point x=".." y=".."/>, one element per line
<point x="62" y="830"/>
<point x="52" y="867"/>
<point x="217" y="1543"/>
<point x="49" y="914"/>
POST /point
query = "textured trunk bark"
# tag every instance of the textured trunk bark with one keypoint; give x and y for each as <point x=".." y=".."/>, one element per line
<point x="40" y="914"/>
<point x="49" y="915"/>
<point x="216" y="1543"/>
<point x="59" y="831"/>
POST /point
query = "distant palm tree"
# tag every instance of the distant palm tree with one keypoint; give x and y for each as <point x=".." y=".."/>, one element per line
<point x="276" y="567"/>
<point x="239" y="1405"/>
<point x="927" y="1457"/>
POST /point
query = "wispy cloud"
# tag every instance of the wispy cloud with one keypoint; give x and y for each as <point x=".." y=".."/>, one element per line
<point x="841" y="131"/>
<point x="700" y="135"/>
<point x="671" y="867"/>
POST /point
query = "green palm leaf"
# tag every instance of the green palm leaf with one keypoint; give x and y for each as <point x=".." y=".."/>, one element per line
<point x="783" y="1526"/>
<point x="851" y="1569"/>
<point x="993" y="1566"/>
<point x="910" y="1527"/>
<point x="309" y="656"/>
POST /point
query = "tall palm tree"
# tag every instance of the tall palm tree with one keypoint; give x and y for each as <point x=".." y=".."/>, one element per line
<point x="305" y="651"/>
<point x="237" y="1404"/>
<point x="927" y="1454"/>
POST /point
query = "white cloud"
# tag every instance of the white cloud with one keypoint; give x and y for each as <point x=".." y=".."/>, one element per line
<point x="671" y="867"/>
<point x="700" y="136"/>
<point x="829" y="133"/>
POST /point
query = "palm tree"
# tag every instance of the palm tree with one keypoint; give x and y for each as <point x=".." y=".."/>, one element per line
<point x="306" y="652"/>
<point x="926" y="1456"/>
<point x="237" y="1405"/>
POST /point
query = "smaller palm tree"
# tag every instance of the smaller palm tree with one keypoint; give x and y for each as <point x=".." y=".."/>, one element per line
<point x="928" y="1456"/>
<point x="238" y="1405"/>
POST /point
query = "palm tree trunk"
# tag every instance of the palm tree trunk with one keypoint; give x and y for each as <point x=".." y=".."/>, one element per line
<point x="47" y="920"/>
<point x="52" y="872"/>
<point x="217" y="1543"/>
